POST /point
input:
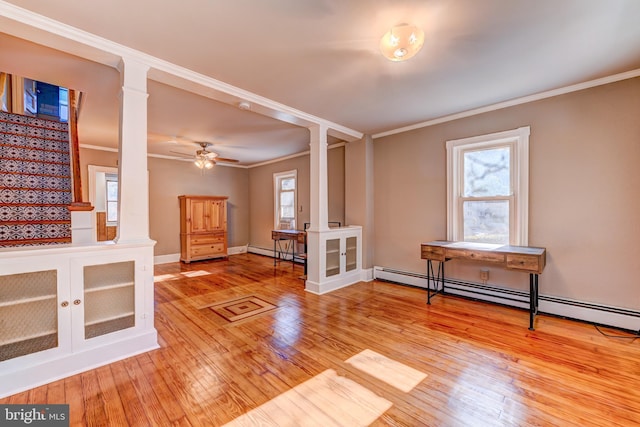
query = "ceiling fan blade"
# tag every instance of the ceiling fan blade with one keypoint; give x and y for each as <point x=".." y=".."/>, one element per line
<point x="224" y="159"/>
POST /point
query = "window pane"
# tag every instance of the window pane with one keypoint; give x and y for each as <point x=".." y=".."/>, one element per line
<point x="486" y="221"/>
<point x="112" y="211"/>
<point x="288" y="184"/>
<point x="486" y="173"/>
<point x="112" y="190"/>
<point x="287" y="209"/>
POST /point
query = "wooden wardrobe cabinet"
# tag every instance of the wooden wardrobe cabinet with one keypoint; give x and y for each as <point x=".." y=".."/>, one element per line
<point x="203" y="227"/>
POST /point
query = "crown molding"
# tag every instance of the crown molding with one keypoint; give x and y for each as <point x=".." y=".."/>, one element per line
<point x="517" y="101"/>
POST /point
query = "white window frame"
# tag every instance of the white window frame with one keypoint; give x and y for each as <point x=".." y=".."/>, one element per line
<point x="518" y="141"/>
<point x="111" y="178"/>
<point x="277" y="177"/>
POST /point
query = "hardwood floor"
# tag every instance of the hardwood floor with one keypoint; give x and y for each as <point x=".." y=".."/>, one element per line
<point x="483" y="366"/>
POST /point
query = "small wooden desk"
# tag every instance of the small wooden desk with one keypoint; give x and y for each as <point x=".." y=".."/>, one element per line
<point x="293" y="236"/>
<point x="521" y="258"/>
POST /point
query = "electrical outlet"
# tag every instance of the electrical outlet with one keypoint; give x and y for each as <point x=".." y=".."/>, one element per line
<point x="484" y="274"/>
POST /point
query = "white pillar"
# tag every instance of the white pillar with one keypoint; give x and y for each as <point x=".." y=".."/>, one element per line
<point x="133" y="188"/>
<point x="319" y="200"/>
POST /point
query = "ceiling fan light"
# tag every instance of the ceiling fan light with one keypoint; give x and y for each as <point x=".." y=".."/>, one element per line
<point x="208" y="164"/>
<point x="401" y="42"/>
<point x="199" y="162"/>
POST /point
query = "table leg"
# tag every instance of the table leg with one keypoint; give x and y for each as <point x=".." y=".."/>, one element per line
<point x="533" y="298"/>
<point x="429" y="279"/>
<point x="435" y="279"/>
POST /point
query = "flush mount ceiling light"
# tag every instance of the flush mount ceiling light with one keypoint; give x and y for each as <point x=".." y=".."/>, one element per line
<point x="402" y="42"/>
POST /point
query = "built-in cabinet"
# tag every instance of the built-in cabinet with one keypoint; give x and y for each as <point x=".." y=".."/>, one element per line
<point x="72" y="311"/>
<point x="340" y="258"/>
<point x="203" y="227"/>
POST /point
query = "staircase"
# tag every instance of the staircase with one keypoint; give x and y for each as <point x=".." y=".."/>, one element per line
<point x="35" y="181"/>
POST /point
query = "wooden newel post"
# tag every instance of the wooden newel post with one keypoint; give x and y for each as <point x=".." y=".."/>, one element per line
<point x="77" y="204"/>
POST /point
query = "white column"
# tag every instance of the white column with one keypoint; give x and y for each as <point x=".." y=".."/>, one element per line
<point x="133" y="188"/>
<point x="319" y="200"/>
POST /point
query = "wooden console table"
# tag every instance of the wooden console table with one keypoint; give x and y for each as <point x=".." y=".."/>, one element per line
<point x="521" y="258"/>
<point x="291" y="237"/>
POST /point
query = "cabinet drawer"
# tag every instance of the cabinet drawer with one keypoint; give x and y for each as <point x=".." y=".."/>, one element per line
<point x="475" y="255"/>
<point x="205" y="250"/>
<point x="523" y="262"/>
<point x="432" y="252"/>
<point x="207" y="239"/>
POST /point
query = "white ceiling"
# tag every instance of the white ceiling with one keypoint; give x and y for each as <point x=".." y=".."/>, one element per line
<point x="321" y="57"/>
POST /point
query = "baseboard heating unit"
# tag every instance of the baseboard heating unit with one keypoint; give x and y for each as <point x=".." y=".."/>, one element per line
<point x="600" y="314"/>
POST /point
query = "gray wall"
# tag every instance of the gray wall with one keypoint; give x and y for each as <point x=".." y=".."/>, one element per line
<point x="583" y="204"/>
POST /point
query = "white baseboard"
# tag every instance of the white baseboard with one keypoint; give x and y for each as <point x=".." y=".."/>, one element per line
<point x="260" y="251"/>
<point x="166" y="259"/>
<point x="366" y="274"/>
<point x="235" y="250"/>
<point x="266" y="252"/>
<point x="593" y="313"/>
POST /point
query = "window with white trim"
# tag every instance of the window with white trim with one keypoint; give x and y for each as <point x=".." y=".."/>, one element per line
<point x="488" y="188"/>
<point x="285" y="199"/>
<point x="111" y="193"/>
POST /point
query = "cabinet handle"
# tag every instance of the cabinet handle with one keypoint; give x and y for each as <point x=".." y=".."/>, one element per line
<point x="64" y="303"/>
<point x="76" y="302"/>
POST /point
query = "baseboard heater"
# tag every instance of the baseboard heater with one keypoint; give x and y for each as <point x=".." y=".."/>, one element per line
<point x="271" y="253"/>
<point x="599" y="314"/>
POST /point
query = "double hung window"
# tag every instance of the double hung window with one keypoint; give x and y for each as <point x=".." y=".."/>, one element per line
<point x="285" y="200"/>
<point x="487" y="188"/>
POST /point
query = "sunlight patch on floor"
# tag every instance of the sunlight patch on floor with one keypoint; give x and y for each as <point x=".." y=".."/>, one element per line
<point x="324" y="400"/>
<point x="195" y="273"/>
<point x="161" y="277"/>
<point x="396" y="374"/>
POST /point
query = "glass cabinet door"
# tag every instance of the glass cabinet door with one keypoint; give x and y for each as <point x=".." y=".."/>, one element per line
<point x="351" y="262"/>
<point x="333" y="257"/>
<point x="109" y="298"/>
<point x="28" y="313"/>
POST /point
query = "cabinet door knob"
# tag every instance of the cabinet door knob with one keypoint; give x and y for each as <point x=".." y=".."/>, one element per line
<point x="64" y="303"/>
<point x="76" y="302"/>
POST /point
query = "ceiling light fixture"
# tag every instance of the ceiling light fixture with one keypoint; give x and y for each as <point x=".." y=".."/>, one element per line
<point x="203" y="162"/>
<point x="402" y="42"/>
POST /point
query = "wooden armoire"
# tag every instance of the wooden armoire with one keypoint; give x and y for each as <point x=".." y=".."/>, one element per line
<point x="203" y="227"/>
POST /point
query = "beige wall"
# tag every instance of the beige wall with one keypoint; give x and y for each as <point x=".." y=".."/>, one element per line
<point x="261" y="194"/>
<point x="170" y="178"/>
<point x="359" y="201"/>
<point x="583" y="206"/>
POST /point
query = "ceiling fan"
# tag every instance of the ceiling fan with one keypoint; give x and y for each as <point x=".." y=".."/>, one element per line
<point x="205" y="159"/>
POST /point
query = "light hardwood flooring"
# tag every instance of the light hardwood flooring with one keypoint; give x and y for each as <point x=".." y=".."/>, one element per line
<point x="483" y="366"/>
